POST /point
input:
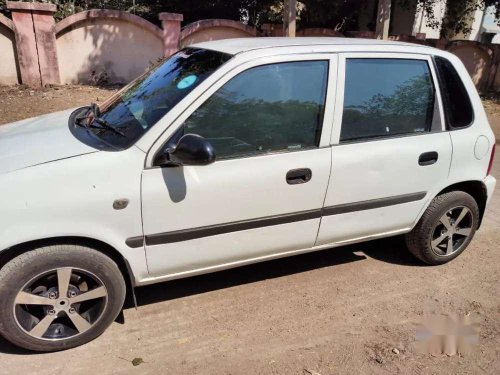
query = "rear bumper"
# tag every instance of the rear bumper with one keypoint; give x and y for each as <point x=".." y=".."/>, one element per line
<point x="489" y="182"/>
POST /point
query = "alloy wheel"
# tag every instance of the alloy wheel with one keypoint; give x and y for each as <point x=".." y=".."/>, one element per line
<point x="452" y="231"/>
<point x="60" y="304"/>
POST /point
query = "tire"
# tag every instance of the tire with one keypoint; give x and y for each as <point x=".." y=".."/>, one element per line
<point x="433" y="225"/>
<point x="73" y="318"/>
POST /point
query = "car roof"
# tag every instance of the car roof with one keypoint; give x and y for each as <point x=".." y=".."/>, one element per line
<point x="239" y="45"/>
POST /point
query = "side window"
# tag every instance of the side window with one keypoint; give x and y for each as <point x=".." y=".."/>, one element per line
<point x="457" y="105"/>
<point x="387" y="97"/>
<point x="274" y="107"/>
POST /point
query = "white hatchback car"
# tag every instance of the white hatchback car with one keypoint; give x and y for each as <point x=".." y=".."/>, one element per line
<point x="229" y="153"/>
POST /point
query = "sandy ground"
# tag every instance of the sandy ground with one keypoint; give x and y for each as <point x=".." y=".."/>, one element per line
<point x="348" y="310"/>
<point x="18" y="102"/>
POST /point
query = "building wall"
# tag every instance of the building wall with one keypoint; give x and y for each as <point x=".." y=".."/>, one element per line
<point x="421" y="19"/>
<point x="475" y="33"/>
<point x="118" y="49"/>
<point x="8" y="65"/>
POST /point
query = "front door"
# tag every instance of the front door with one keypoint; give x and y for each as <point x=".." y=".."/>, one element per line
<point x="391" y="154"/>
<point x="264" y="193"/>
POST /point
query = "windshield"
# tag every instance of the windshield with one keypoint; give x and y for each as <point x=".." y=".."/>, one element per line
<point x="141" y="104"/>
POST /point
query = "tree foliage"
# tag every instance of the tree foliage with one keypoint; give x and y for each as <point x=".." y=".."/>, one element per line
<point x="340" y="15"/>
<point x="458" y="15"/>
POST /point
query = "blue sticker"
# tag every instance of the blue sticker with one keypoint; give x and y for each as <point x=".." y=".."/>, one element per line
<point x="186" y="81"/>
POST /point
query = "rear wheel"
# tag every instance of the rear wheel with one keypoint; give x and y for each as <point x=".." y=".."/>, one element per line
<point x="59" y="297"/>
<point x="445" y="229"/>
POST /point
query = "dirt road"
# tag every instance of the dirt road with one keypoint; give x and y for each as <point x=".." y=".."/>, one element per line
<point x="339" y="311"/>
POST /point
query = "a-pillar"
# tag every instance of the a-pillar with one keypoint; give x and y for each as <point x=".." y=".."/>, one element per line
<point x="35" y="42"/>
<point x="171" y="24"/>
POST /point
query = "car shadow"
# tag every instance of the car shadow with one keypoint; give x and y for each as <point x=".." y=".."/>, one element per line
<point x="389" y="250"/>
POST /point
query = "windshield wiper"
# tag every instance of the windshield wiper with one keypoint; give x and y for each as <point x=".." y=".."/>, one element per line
<point x="93" y="115"/>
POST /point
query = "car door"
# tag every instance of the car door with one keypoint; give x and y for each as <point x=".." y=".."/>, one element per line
<point x="269" y="122"/>
<point x="390" y="152"/>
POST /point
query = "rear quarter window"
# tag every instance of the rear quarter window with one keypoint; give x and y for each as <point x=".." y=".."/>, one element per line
<point x="457" y="105"/>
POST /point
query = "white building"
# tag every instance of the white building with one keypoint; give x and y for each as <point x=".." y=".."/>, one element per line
<point x="413" y="20"/>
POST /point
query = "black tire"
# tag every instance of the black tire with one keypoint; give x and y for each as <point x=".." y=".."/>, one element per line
<point x="419" y="239"/>
<point x="20" y="271"/>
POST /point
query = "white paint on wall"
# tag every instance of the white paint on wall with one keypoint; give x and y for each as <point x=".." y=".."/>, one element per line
<point x="420" y="24"/>
<point x="475" y="33"/>
<point x="8" y="68"/>
<point x="120" y="49"/>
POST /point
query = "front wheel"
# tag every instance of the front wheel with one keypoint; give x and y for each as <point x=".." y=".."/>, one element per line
<point x="445" y="229"/>
<point x="58" y="297"/>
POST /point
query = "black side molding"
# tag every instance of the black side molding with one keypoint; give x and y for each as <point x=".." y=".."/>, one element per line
<point x="373" y="203"/>
<point x="135" y="242"/>
<point x="213" y="230"/>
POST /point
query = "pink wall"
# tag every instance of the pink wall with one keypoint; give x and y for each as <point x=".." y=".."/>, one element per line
<point x="205" y="30"/>
<point x="36" y="51"/>
<point x="35" y="42"/>
<point x="95" y="46"/>
<point x="9" y="68"/>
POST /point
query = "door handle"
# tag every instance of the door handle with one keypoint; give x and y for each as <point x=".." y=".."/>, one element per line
<point x="298" y="176"/>
<point x="428" y="158"/>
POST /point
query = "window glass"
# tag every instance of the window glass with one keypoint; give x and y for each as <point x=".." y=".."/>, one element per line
<point x="141" y="104"/>
<point x="268" y="108"/>
<point x="387" y="97"/>
<point x="457" y="105"/>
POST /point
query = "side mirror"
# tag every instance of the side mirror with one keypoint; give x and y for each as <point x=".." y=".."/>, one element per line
<point x="191" y="149"/>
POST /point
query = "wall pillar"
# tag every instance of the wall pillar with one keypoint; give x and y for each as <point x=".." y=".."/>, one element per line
<point x="290" y="17"/>
<point x="35" y="42"/>
<point x="171" y="25"/>
<point x="383" y="19"/>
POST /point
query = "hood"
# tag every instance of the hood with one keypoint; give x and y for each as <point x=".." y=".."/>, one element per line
<point x="38" y="140"/>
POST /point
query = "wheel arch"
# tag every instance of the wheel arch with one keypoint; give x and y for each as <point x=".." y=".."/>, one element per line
<point x="10" y="253"/>
<point x="476" y="189"/>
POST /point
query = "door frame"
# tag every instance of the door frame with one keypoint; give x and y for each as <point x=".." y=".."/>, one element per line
<point x="330" y="99"/>
<point x="339" y="100"/>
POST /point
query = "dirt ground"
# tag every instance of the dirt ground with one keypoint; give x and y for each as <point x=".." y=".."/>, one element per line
<point x="19" y="102"/>
<point x="349" y="310"/>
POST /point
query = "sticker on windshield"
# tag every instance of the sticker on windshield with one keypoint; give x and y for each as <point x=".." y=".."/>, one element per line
<point x="186" y="82"/>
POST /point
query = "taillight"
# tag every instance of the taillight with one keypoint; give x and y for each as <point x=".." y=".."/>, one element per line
<point x="491" y="159"/>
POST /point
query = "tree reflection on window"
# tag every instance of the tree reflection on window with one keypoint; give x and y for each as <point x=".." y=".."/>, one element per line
<point x="386" y="97"/>
<point x="274" y="107"/>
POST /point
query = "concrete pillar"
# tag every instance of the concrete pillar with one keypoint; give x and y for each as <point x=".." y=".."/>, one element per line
<point x="383" y="19"/>
<point x="35" y="42"/>
<point x="290" y="17"/>
<point x="171" y="24"/>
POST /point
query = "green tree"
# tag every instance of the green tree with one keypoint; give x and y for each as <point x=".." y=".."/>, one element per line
<point x="340" y="15"/>
<point x="458" y="14"/>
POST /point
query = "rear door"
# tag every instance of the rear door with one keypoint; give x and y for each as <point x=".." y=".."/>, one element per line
<point x="390" y="152"/>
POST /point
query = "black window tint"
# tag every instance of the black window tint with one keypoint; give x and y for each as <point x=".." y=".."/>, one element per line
<point x="457" y="105"/>
<point x="268" y="108"/>
<point x="386" y="97"/>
